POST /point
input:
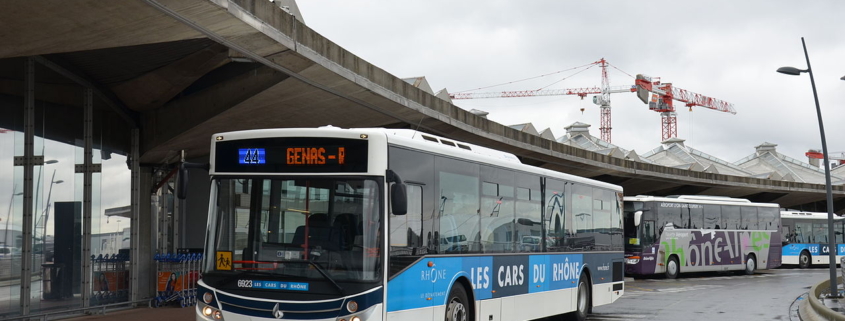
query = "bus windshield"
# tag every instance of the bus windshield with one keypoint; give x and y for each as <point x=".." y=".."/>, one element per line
<point x="633" y="233"/>
<point x="314" y="228"/>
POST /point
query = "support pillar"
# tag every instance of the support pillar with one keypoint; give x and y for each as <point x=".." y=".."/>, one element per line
<point x="87" y="180"/>
<point x="28" y="162"/>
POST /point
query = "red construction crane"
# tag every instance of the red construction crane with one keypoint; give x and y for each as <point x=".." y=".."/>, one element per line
<point x="664" y="94"/>
<point x="817" y="154"/>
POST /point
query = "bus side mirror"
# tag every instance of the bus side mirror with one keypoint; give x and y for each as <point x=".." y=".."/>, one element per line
<point x="398" y="199"/>
<point x="398" y="194"/>
<point x="182" y="182"/>
<point x="638" y="218"/>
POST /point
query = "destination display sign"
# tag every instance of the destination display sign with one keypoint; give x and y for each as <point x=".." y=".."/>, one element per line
<point x="292" y="155"/>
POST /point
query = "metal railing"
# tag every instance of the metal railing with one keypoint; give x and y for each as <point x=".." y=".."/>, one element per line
<point x="78" y="312"/>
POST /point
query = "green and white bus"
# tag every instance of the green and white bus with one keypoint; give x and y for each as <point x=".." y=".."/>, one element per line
<point x="692" y="233"/>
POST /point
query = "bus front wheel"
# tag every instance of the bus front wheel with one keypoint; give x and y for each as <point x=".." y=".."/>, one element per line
<point x="457" y="308"/>
<point x="672" y="268"/>
<point x="804" y="260"/>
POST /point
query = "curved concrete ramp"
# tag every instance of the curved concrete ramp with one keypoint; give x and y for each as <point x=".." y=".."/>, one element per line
<point x="182" y="70"/>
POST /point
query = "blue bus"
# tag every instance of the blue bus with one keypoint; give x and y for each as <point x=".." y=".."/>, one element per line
<point x="805" y="238"/>
<point x="394" y="224"/>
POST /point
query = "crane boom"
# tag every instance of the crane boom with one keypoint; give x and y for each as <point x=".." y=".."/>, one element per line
<point x="581" y="92"/>
<point x="693" y="99"/>
<point x="604" y="100"/>
<point x="668" y="92"/>
<point x="662" y="101"/>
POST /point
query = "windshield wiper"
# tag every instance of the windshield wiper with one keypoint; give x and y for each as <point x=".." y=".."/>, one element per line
<point x="320" y="269"/>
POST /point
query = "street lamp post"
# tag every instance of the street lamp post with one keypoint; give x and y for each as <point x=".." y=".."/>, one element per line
<point x="830" y="231"/>
<point x="46" y="216"/>
<point x="38" y="181"/>
<point x="9" y="215"/>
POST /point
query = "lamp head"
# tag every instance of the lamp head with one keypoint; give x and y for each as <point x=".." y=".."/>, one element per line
<point x="790" y="71"/>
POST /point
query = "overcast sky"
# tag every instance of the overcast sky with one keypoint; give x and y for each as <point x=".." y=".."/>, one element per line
<point x="723" y="49"/>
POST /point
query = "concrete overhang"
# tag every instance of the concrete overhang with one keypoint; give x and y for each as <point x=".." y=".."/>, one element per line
<point x="186" y="69"/>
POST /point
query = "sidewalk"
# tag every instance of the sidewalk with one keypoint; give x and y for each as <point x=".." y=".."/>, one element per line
<point x="146" y="314"/>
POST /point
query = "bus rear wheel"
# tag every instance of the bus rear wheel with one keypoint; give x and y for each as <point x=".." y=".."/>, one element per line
<point x="750" y="264"/>
<point x="672" y="268"/>
<point x="804" y="260"/>
<point x="584" y="302"/>
<point x="457" y="308"/>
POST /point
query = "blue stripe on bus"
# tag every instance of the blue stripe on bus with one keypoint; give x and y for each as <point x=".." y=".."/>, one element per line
<point x="795" y="249"/>
<point x="421" y="286"/>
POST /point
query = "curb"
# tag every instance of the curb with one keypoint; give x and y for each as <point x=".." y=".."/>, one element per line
<point x="815" y="309"/>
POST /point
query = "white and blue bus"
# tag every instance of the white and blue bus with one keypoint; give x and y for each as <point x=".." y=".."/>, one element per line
<point x="393" y="224"/>
<point x="805" y="238"/>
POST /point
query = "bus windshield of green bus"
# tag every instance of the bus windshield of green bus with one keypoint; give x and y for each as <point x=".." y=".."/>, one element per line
<point x="299" y="228"/>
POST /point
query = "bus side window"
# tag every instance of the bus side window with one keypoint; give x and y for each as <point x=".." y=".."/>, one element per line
<point x="837" y="226"/>
<point x="648" y="233"/>
<point x="786" y="236"/>
<point x="712" y="216"/>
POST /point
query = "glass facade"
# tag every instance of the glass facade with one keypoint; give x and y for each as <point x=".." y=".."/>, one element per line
<point x="69" y="193"/>
<point x="11" y="189"/>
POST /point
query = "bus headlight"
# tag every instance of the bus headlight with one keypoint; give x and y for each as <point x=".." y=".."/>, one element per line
<point x="352" y="306"/>
<point x="355" y="318"/>
<point x="207" y="297"/>
<point x="632" y="260"/>
<point x="211" y="313"/>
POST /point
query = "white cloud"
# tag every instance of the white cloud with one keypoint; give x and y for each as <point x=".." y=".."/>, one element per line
<point x="724" y="49"/>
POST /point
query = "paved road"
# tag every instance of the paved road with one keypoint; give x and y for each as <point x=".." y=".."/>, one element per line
<point x="764" y="296"/>
<point x="767" y="295"/>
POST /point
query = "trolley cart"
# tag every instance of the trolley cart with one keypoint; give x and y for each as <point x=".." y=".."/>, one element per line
<point x="111" y="276"/>
<point x="178" y="274"/>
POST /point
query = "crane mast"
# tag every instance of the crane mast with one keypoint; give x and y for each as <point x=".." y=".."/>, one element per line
<point x="604" y="103"/>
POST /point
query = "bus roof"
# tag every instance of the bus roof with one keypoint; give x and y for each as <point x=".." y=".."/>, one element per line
<point x="457" y="149"/>
<point x="807" y="215"/>
<point x="698" y="199"/>
<point x="425" y="142"/>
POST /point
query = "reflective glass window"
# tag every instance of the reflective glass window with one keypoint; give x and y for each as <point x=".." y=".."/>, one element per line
<point x="712" y="217"/>
<point x="748" y="215"/>
<point x="582" y="218"/>
<point x="731" y="216"/>
<point x="555" y="220"/>
<point x="459" y="194"/>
